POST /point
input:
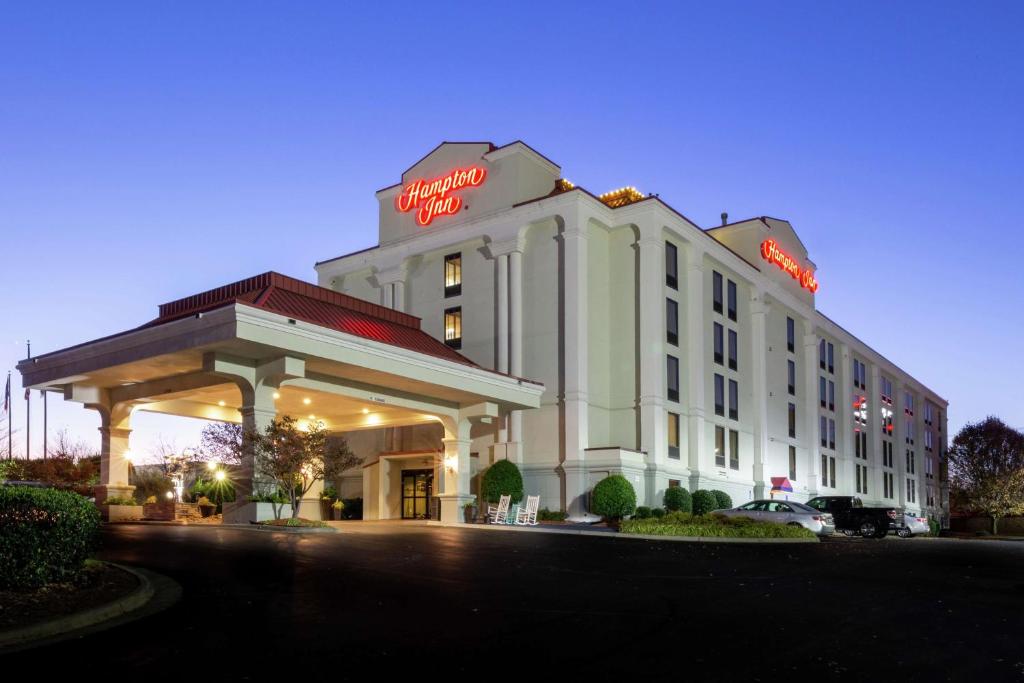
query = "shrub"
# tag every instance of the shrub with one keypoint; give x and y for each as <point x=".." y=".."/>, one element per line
<point x="678" y="517"/>
<point x="677" y="499"/>
<point x="205" y="502"/>
<point x="45" y="535"/>
<point x="657" y="513"/>
<point x="151" y="500"/>
<point x="703" y="502"/>
<point x="353" y="508"/>
<point x="150" y="482"/>
<point x="119" y="500"/>
<point x="713" y="525"/>
<point x="546" y="515"/>
<point x="642" y="512"/>
<point x="502" y="479"/>
<point x="934" y="528"/>
<point x="614" y="497"/>
<point x="329" y="493"/>
<point x="723" y="501"/>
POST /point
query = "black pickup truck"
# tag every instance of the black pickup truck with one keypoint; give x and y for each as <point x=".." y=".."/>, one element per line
<point x="852" y="517"/>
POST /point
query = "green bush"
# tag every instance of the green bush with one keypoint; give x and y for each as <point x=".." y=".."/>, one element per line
<point x="119" y="500"/>
<point x="677" y="499"/>
<point x="722" y="500"/>
<point x="150" y="482"/>
<point x="704" y="502"/>
<point x="712" y="526"/>
<point x="45" y="535"/>
<point x="657" y="513"/>
<point x="678" y="517"/>
<point x="546" y="515"/>
<point x="934" y="528"/>
<point x="642" y="512"/>
<point x="614" y="497"/>
<point x="502" y="479"/>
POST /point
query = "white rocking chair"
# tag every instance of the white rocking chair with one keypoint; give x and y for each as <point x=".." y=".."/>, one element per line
<point x="527" y="516"/>
<point x="498" y="514"/>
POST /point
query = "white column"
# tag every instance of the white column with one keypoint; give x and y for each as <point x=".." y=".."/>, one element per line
<point x="454" y="482"/>
<point x="844" y="425"/>
<point x="258" y="412"/>
<point x="900" y="444"/>
<point x="874" y="394"/>
<point x="115" y="433"/>
<point x="388" y="295"/>
<point x="399" y="295"/>
<point x="502" y="262"/>
<point x="574" y="241"/>
<point x="810" y="435"/>
<point x="515" y="307"/>
<point x="759" y="387"/>
<point x="694" y="333"/>
<point x="652" y="349"/>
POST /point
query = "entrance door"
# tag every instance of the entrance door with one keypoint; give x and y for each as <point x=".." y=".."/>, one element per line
<point x="417" y="488"/>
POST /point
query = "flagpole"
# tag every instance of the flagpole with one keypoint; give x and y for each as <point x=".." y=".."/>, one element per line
<point x="43" y="392"/>
<point x="28" y="411"/>
<point x="9" y="405"/>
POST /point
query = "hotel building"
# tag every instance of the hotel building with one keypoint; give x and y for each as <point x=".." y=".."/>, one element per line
<point x="672" y="354"/>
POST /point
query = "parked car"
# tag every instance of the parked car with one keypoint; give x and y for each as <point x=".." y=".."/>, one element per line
<point x="913" y="525"/>
<point x="851" y="517"/>
<point x="784" y="512"/>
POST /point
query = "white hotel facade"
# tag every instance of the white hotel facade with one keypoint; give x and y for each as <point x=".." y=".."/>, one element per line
<point x="672" y="354"/>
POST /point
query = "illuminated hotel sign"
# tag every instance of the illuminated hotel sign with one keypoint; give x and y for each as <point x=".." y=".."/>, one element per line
<point x="433" y="198"/>
<point x="771" y="252"/>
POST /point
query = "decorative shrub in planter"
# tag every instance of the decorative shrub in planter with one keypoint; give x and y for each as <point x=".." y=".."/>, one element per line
<point x="120" y="509"/>
<point x="469" y="512"/>
<point x="704" y="501"/>
<point x="206" y="507"/>
<point x="45" y="536"/>
<point x="723" y="501"/>
<point x="677" y="499"/>
<point x="337" y="509"/>
<point x="614" y="498"/>
<point x="501" y="479"/>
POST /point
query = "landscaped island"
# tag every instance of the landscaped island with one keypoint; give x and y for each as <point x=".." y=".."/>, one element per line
<point x="710" y="525"/>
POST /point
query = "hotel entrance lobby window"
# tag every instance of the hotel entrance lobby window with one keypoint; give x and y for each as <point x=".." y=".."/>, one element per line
<point x="417" y="488"/>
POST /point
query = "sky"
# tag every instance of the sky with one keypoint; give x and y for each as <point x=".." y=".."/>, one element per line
<point x="149" y="151"/>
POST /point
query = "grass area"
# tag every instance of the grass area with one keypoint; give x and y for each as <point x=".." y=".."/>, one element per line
<point x="718" y="526"/>
<point x="296" y="522"/>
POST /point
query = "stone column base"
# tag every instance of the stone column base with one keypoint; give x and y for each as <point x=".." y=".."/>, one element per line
<point x="104" y="491"/>
<point x="451" y="507"/>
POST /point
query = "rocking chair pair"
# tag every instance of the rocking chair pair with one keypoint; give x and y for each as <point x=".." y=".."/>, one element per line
<point x="525" y="515"/>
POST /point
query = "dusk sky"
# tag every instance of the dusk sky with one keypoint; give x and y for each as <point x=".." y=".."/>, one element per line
<point x="152" y="151"/>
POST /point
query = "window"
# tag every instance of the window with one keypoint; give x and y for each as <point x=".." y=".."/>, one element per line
<point x="886" y="390"/>
<point x="908" y="403"/>
<point x="911" y="491"/>
<point x="719" y="395"/>
<point x="734" y="400"/>
<point x="927" y="440"/>
<point x="719" y="343"/>
<point x="862" y="478"/>
<point x="832" y="472"/>
<point x="673" y="435"/>
<point x="734" y="449"/>
<point x="831" y="395"/>
<point x="733" y="350"/>
<point x="671" y="265"/>
<point x="792" y="420"/>
<point x="674" y="483"/>
<point x="790" y="335"/>
<point x="720" y="446"/>
<point x="927" y="413"/>
<point x="822" y="393"/>
<point x="832" y="434"/>
<point x="453" y="327"/>
<point x="792" y="463"/>
<point x="821" y="354"/>
<point x="672" y="322"/>
<point x="824" y="470"/>
<point x="860" y="376"/>
<point x="908" y="426"/>
<point x="823" y="430"/>
<point x="831" y="358"/>
<point x="791" y="377"/>
<point x="672" y="365"/>
<point x="732" y="300"/>
<point x="453" y="275"/>
<point x="887" y="485"/>
<point x="716" y="291"/>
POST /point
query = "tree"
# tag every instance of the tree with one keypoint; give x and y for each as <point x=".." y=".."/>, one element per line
<point x="295" y="459"/>
<point x="986" y="469"/>
<point x="222" y="442"/>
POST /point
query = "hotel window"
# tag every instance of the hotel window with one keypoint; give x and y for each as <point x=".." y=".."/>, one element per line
<point x="823" y="430"/>
<point x="887" y="485"/>
<point x="673" y="435"/>
<point x="672" y="321"/>
<point x="927" y="440"/>
<point x="824" y="470"/>
<point x="831" y="358"/>
<point x="790" y="335"/>
<point x="931" y="497"/>
<point x="791" y="377"/>
<point x="862" y="478"/>
<point x="821" y="354"/>
<point x="792" y="420"/>
<point x="831" y="395"/>
<point x="908" y="403"/>
<point x="908" y="426"/>
<point x="732" y="300"/>
<point x="911" y="462"/>
<point x="719" y="343"/>
<point x="716" y="291"/>
<point x="453" y="327"/>
<point x="832" y="472"/>
<point x="719" y="395"/>
<point x="719" y="446"/>
<point x="911" y="491"/>
<point x="929" y="468"/>
<point x="792" y="463"/>
<point x="927" y="413"/>
<point x="734" y="449"/>
<point x="886" y="390"/>
<point x="453" y="275"/>
<point x="822" y="393"/>
<point x="674" y="483"/>
<point x="733" y="350"/>
<point x="832" y="434"/>
<point x="860" y="377"/>
<point x="671" y="265"/>
<point x="734" y="400"/>
<point x="672" y="365"/>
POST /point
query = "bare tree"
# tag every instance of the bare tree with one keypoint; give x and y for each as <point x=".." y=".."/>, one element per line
<point x="221" y="442"/>
<point x="66" y="446"/>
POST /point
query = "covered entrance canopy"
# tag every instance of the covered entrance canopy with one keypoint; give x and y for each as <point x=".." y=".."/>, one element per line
<point x="273" y="345"/>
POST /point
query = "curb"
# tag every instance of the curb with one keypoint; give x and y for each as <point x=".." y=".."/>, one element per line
<point x="247" y="527"/>
<point x="155" y="593"/>
<point x="618" y="535"/>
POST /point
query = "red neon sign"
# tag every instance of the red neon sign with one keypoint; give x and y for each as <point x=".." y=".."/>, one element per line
<point x="771" y="252"/>
<point x="433" y="198"/>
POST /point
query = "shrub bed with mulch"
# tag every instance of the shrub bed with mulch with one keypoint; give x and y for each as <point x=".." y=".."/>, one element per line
<point x="297" y="522"/>
<point x="718" y="526"/>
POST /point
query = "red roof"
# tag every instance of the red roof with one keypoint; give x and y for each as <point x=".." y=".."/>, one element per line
<point x="317" y="305"/>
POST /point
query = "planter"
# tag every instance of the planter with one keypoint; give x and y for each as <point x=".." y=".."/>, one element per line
<point x="337" y="515"/>
<point x="121" y="513"/>
<point x="207" y="510"/>
<point x="469" y="514"/>
<point x="326" y="511"/>
<point x="243" y="513"/>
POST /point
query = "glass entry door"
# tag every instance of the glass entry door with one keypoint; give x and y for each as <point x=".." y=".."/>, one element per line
<point x="417" y="488"/>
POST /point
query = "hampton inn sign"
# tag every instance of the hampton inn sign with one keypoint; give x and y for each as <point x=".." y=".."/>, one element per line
<point x="433" y="198"/>
<point x="771" y="252"/>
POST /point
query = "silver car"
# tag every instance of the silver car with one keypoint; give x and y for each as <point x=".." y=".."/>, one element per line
<point x="785" y="512"/>
<point x="913" y="525"/>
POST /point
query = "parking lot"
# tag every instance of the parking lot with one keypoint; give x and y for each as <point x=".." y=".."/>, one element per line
<point x="412" y="600"/>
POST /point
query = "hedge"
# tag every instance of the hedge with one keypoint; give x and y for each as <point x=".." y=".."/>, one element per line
<point x="704" y="501"/>
<point x="677" y="499"/>
<point x="685" y="524"/>
<point x="614" y="497"/>
<point x="45" y="536"/>
<point x="502" y="479"/>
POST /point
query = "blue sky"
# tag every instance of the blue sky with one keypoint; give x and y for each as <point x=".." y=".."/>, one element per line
<point x="150" y="151"/>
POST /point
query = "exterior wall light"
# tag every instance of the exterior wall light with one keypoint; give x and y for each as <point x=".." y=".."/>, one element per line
<point x="220" y="475"/>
